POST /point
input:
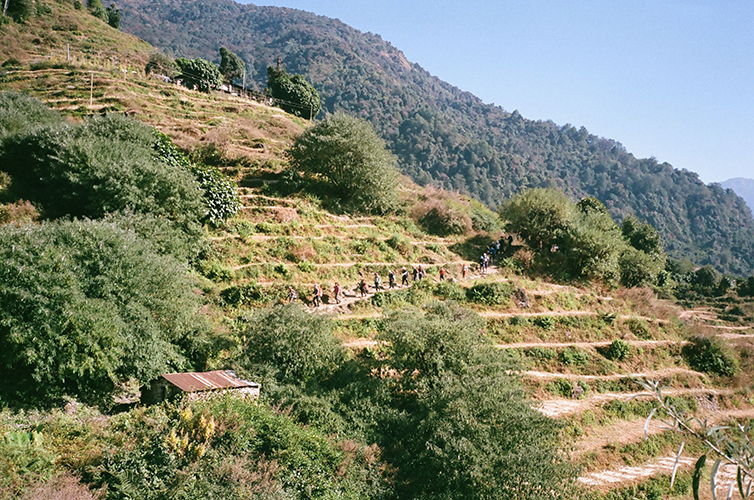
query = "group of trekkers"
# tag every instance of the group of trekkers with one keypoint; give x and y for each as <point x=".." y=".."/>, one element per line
<point x="498" y="247"/>
<point x="417" y="273"/>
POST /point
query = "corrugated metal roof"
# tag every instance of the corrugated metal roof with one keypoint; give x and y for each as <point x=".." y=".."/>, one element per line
<point x="207" y="381"/>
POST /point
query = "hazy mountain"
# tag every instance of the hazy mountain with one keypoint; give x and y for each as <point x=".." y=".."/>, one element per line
<point x="448" y="137"/>
<point x="743" y="187"/>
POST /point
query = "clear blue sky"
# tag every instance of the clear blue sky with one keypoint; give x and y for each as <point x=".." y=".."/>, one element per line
<point x="673" y="79"/>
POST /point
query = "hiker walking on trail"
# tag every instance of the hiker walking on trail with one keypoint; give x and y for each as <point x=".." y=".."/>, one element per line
<point x="336" y="292"/>
<point x="377" y="282"/>
<point x="292" y="295"/>
<point x="317" y="300"/>
<point x="363" y="287"/>
<point x="415" y="274"/>
<point x="404" y="276"/>
<point x="464" y="270"/>
<point x="442" y="274"/>
<point x="391" y="279"/>
<point x="421" y="273"/>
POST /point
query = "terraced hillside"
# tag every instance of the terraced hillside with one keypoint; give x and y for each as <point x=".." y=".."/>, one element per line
<point x="582" y="349"/>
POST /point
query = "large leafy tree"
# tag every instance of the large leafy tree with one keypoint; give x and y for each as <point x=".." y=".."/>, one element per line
<point x="106" y="165"/>
<point x="346" y="153"/>
<point x="465" y="430"/>
<point x="88" y="305"/>
<point x="19" y="10"/>
<point x="199" y="73"/>
<point x="291" y="345"/>
<point x="293" y="93"/>
<point x="540" y="216"/>
<point x="232" y="67"/>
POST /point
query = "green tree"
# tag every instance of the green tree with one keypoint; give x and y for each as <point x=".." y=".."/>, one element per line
<point x="232" y="67"/>
<point x="20" y="10"/>
<point x="591" y="247"/>
<point x="293" y="345"/>
<point x="295" y="94"/>
<point x="199" y="73"/>
<point x="465" y="430"/>
<point x="108" y="164"/>
<point x="643" y="236"/>
<point x="540" y="216"/>
<point x="346" y="153"/>
<point x="113" y="16"/>
<point x="638" y="268"/>
<point x="161" y="64"/>
<point x="88" y="305"/>
<point x="97" y="9"/>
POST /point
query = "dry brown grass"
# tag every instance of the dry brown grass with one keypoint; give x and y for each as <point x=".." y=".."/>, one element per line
<point x="643" y="301"/>
<point x="63" y="487"/>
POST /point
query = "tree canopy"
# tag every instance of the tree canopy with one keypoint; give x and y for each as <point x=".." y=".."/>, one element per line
<point x="232" y="67"/>
<point x="199" y="73"/>
<point x="87" y="306"/>
<point x="581" y="240"/>
<point x="293" y="93"/>
<point x="345" y="153"/>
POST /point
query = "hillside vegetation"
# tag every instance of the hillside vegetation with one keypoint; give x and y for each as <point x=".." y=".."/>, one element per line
<point x="124" y="257"/>
<point x="446" y="137"/>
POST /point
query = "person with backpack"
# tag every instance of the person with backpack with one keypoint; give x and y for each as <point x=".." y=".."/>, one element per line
<point x="317" y="299"/>
<point x="336" y="292"/>
<point x="404" y="276"/>
<point x="391" y="279"/>
<point x="377" y="282"/>
<point x="442" y="274"/>
<point x="292" y="295"/>
<point x="363" y="287"/>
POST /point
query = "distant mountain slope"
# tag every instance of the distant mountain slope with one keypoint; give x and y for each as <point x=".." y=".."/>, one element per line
<point x="743" y="187"/>
<point x="451" y="138"/>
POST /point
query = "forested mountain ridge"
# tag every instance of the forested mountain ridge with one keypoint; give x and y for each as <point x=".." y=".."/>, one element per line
<point x="448" y="137"/>
<point x="743" y="187"/>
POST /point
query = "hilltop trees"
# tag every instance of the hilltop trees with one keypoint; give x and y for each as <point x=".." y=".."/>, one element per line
<point x="232" y="67"/>
<point x="346" y="154"/>
<point x="296" y="95"/>
<point x="18" y="10"/>
<point x="199" y="73"/>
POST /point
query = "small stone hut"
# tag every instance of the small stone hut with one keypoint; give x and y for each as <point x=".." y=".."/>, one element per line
<point x="197" y="385"/>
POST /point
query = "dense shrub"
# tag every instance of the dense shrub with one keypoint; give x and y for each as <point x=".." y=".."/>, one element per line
<point x="20" y="112"/>
<point x="450" y="290"/>
<point x="710" y="355"/>
<point x="572" y="356"/>
<point x="440" y="219"/>
<point x="618" y="350"/>
<point x="494" y="293"/>
<point x="544" y="322"/>
<point x="294" y="345"/>
<point x="105" y="165"/>
<point x="78" y="298"/>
